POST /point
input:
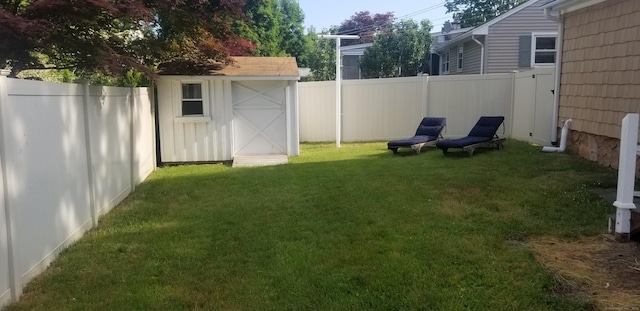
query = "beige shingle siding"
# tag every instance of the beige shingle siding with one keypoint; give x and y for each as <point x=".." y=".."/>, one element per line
<point x="601" y="66"/>
<point x="502" y="42"/>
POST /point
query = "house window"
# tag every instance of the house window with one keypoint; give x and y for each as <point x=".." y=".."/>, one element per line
<point x="445" y="62"/>
<point x="544" y="49"/>
<point x="460" y="57"/>
<point x="192" y="99"/>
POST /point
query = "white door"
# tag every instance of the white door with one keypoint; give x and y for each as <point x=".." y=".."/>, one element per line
<point x="259" y="120"/>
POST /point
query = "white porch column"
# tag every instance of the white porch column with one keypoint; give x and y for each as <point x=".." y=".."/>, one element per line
<point x="626" y="176"/>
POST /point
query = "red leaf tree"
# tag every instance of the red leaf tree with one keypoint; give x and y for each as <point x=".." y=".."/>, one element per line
<point x="114" y="36"/>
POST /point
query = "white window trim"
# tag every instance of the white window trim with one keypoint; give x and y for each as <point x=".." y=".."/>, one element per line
<point x="533" y="48"/>
<point x="460" y="58"/>
<point x="206" y="114"/>
<point x="446" y="57"/>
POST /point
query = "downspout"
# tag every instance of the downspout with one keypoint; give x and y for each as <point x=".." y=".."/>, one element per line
<point x="563" y="139"/>
<point x="473" y="37"/>
<point x="556" y="91"/>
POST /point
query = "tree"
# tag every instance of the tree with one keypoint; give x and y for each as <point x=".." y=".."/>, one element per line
<point x="321" y="56"/>
<point x="262" y="27"/>
<point x="472" y="13"/>
<point x="294" y="42"/>
<point x="114" y="36"/>
<point x="364" y="25"/>
<point x="401" y="50"/>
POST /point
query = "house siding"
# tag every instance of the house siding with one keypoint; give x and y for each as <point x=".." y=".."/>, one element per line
<point x="470" y="59"/>
<point x="503" y="38"/>
<point x="350" y="67"/>
<point x="600" y="81"/>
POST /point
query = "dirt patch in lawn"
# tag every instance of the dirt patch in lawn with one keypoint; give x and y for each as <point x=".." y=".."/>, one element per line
<point x="599" y="270"/>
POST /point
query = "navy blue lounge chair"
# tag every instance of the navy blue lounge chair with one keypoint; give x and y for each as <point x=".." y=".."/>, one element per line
<point x="483" y="134"/>
<point x="427" y="134"/>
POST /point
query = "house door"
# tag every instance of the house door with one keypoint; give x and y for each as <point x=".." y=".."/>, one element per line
<point x="259" y="119"/>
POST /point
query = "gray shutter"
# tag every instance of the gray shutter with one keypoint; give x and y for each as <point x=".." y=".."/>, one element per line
<point x="524" y="57"/>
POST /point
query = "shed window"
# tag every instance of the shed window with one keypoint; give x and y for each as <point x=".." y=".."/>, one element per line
<point x="544" y="49"/>
<point x="192" y="99"/>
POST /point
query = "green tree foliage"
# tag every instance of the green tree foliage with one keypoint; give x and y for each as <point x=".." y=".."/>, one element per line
<point x="472" y="13"/>
<point x="115" y="36"/>
<point x="275" y="27"/>
<point x="294" y="42"/>
<point x="320" y="53"/>
<point x="400" y="50"/>
<point x="321" y="56"/>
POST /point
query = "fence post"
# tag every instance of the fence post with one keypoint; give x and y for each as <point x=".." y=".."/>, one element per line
<point x="425" y="95"/>
<point x="87" y="139"/>
<point x="132" y="153"/>
<point x="626" y="176"/>
<point x="15" y="281"/>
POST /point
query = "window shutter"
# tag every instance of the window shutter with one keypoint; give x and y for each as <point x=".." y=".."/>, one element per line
<point x="524" y="58"/>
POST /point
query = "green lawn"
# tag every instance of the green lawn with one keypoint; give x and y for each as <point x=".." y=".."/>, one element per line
<point x="354" y="228"/>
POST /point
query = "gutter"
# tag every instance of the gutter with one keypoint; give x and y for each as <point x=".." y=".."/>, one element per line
<point x="473" y="37"/>
<point x="558" y="73"/>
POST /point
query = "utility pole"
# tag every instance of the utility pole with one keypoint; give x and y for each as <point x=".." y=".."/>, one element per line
<point x="338" y="81"/>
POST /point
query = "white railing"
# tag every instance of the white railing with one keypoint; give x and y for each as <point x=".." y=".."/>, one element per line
<point x="626" y="176"/>
<point x="68" y="153"/>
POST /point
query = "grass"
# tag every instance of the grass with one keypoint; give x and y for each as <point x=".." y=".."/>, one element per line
<point x="354" y="228"/>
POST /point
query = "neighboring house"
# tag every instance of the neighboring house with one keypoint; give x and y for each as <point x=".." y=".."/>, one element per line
<point x="600" y="73"/>
<point x="246" y="108"/>
<point x="351" y="55"/>
<point x="519" y="39"/>
<point x="450" y="31"/>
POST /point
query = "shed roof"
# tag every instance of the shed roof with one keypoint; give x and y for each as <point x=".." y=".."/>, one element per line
<point x="240" y="66"/>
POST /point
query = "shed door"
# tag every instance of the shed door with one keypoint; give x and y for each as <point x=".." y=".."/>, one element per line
<point x="259" y="121"/>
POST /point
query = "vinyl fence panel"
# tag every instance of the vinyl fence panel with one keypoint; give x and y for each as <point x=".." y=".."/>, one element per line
<point x="381" y="109"/>
<point x="46" y="163"/>
<point x="67" y="153"/>
<point x="385" y="109"/>
<point x="317" y="115"/>
<point x="464" y="99"/>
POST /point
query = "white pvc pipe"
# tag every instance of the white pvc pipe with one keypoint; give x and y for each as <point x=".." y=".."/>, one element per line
<point x="563" y="139"/>
<point x="626" y="175"/>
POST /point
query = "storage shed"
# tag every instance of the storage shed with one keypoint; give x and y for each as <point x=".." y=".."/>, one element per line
<point x="248" y="108"/>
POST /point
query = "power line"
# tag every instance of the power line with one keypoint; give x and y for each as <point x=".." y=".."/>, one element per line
<point x="395" y="20"/>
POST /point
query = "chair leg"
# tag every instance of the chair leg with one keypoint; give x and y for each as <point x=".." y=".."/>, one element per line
<point x="395" y="150"/>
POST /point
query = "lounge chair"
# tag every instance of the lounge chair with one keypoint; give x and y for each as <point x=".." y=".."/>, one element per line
<point x="427" y="134"/>
<point x="483" y="134"/>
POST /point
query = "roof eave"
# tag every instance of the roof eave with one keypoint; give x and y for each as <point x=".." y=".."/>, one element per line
<point x="565" y="6"/>
<point x="462" y="38"/>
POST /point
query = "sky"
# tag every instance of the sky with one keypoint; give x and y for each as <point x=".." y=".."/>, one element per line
<point x="324" y="13"/>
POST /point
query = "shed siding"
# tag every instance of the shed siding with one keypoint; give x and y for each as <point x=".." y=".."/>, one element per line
<point x="503" y="38"/>
<point x="600" y="76"/>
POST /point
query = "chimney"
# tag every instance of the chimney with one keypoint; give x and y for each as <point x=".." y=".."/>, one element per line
<point x="455" y="25"/>
<point x="447" y="27"/>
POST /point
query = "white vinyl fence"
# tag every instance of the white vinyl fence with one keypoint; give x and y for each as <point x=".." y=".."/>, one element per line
<point x="68" y="153"/>
<point x="386" y="109"/>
